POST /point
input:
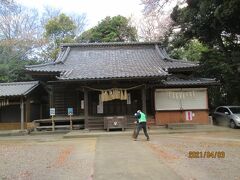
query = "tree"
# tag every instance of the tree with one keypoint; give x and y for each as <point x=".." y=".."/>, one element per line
<point x="18" y="29"/>
<point x="48" y="14"/>
<point x="60" y="29"/>
<point x="110" y="29"/>
<point x="156" y="23"/>
<point x="191" y="51"/>
<point x="154" y="27"/>
<point x="52" y="26"/>
<point x="18" y="37"/>
<point x="212" y="22"/>
<point x="216" y="24"/>
<point x="23" y="39"/>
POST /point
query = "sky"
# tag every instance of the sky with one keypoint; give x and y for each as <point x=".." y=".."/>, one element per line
<point x="95" y="10"/>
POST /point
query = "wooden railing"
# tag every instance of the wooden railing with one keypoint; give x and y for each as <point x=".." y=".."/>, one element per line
<point x="59" y="122"/>
<point x="77" y="122"/>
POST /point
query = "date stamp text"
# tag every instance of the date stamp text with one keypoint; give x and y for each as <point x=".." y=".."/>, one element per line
<point x="206" y="154"/>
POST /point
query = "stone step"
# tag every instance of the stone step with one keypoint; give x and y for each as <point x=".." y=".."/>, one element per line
<point x="181" y="125"/>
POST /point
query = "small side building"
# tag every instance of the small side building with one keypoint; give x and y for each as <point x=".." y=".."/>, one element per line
<point x="21" y="103"/>
<point x="180" y="100"/>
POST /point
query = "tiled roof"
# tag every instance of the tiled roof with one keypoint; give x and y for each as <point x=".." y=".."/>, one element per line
<point x="174" y="82"/>
<point x="17" y="88"/>
<point x="111" y="60"/>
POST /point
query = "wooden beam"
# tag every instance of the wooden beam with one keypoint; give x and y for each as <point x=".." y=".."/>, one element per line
<point x="53" y="124"/>
<point x="86" y="108"/>
<point x="144" y="107"/>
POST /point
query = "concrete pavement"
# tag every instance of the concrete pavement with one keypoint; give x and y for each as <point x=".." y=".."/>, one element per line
<point x="127" y="159"/>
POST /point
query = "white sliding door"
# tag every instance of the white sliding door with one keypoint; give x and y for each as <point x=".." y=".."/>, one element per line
<point x="181" y="99"/>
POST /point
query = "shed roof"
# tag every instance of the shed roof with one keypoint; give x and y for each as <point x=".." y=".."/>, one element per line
<point x="178" y="82"/>
<point x="111" y="61"/>
<point x="17" y="88"/>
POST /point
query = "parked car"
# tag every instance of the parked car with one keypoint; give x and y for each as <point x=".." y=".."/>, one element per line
<point x="227" y="116"/>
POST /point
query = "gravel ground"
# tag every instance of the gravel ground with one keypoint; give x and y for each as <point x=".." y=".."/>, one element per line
<point x="50" y="157"/>
<point x="174" y="151"/>
<point x="46" y="158"/>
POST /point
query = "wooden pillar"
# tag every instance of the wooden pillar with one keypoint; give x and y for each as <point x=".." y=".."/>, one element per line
<point x="28" y="110"/>
<point x="144" y="107"/>
<point x="86" y="108"/>
<point x="51" y="105"/>
<point x="22" y="113"/>
<point x="41" y="111"/>
<point x="78" y="103"/>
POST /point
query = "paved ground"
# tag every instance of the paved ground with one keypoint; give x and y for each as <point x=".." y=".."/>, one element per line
<point x="166" y="156"/>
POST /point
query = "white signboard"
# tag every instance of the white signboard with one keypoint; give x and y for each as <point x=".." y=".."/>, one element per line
<point x="52" y="111"/>
<point x="100" y="108"/>
<point x="70" y="111"/>
<point x="82" y="104"/>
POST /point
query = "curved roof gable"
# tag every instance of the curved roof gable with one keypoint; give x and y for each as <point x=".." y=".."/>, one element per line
<point x="111" y="61"/>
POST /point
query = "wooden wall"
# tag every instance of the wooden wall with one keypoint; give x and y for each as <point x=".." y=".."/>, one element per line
<point x="10" y="114"/>
<point x="11" y="126"/>
<point x="165" y="117"/>
<point x="64" y="99"/>
<point x="115" y="107"/>
<point x="70" y="95"/>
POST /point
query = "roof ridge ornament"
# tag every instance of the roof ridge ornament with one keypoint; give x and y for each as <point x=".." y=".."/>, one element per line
<point x="64" y="74"/>
<point x="63" y="56"/>
<point x="160" y="53"/>
<point x="60" y="55"/>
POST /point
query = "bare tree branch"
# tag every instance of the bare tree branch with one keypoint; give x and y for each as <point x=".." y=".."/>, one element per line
<point x="156" y="22"/>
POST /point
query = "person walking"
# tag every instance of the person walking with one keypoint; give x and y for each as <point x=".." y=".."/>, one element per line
<point x="141" y="124"/>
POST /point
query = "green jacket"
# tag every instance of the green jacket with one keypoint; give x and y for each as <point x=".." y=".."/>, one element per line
<point x="143" y="118"/>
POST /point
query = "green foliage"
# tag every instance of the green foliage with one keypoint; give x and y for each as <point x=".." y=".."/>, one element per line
<point x="60" y="29"/>
<point x="17" y="72"/>
<point x="191" y="51"/>
<point x="14" y="71"/>
<point x="12" y="64"/>
<point x="3" y="73"/>
<point x="215" y="64"/>
<point x="115" y="29"/>
<point x="216" y="25"/>
<point x="22" y="40"/>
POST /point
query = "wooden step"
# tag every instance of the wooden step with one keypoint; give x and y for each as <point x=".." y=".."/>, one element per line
<point x="75" y="126"/>
<point x="95" y="124"/>
<point x="181" y="125"/>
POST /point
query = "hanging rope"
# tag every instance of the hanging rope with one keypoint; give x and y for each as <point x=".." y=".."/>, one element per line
<point x="113" y="93"/>
<point x="4" y="102"/>
<point x="94" y="89"/>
